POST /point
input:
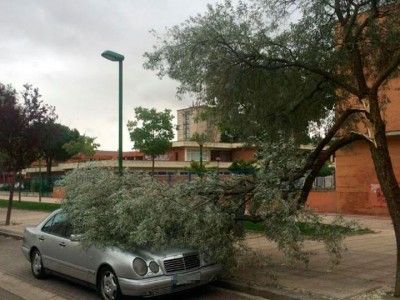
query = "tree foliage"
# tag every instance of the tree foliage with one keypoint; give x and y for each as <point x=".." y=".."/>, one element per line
<point x="21" y="119"/>
<point x="243" y="167"/>
<point x="53" y="139"/>
<point x="275" y="202"/>
<point x="20" y="125"/>
<point x="212" y="55"/>
<point x="152" y="131"/>
<point x="207" y="213"/>
<point x="133" y="210"/>
<point x="83" y="144"/>
<point x="200" y="139"/>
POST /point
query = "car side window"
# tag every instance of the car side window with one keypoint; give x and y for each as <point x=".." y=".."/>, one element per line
<point x="68" y="230"/>
<point x="47" y="227"/>
<point x="57" y="225"/>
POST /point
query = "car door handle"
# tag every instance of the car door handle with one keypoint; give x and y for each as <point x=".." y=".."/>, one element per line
<point x="41" y="238"/>
<point x="62" y="244"/>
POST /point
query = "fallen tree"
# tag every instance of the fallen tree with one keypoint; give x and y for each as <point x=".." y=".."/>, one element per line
<point x="246" y="62"/>
<point x="208" y="213"/>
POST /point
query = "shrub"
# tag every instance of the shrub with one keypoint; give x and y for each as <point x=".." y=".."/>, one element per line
<point x="243" y="167"/>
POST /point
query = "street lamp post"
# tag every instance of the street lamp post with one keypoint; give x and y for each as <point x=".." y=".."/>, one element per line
<point x="113" y="56"/>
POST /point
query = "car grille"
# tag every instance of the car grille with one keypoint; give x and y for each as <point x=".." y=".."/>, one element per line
<point x="183" y="263"/>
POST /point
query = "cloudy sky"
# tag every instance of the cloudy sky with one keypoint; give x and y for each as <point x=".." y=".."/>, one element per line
<point x="56" y="45"/>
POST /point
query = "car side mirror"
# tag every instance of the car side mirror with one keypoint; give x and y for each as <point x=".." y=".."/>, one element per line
<point x="75" y="237"/>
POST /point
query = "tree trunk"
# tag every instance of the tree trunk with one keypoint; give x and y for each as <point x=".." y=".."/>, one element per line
<point x="391" y="191"/>
<point x="49" y="163"/>
<point x="10" y="199"/>
<point x="19" y="186"/>
<point x="319" y="162"/>
<point x="386" y="177"/>
<point x="41" y="180"/>
<point x="201" y="155"/>
<point x="152" y="166"/>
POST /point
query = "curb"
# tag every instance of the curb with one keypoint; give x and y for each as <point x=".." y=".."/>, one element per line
<point x="12" y="234"/>
<point x="264" y="292"/>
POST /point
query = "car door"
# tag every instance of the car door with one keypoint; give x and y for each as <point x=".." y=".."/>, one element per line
<point x="78" y="260"/>
<point x="62" y="255"/>
<point x="53" y="242"/>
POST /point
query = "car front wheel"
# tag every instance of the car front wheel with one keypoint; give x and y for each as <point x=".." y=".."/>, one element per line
<point x="37" y="265"/>
<point x="108" y="285"/>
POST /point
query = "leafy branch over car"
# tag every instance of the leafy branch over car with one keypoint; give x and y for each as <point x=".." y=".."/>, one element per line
<point x="207" y="213"/>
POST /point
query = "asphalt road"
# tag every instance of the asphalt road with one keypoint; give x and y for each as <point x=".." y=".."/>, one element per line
<point x="16" y="268"/>
<point x="4" y="294"/>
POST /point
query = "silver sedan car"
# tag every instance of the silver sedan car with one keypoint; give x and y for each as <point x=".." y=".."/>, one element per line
<point x="52" y="248"/>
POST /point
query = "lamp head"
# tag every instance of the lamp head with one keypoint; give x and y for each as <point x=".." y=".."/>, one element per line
<point x="113" y="56"/>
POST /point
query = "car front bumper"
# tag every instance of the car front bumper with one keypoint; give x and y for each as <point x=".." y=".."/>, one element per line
<point x="167" y="283"/>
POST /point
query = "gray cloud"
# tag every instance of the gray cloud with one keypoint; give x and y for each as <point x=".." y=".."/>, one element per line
<point x="56" y="46"/>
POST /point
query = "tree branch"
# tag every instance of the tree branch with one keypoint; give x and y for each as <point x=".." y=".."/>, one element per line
<point x="324" y="156"/>
<point x="284" y="63"/>
<point x="281" y="63"/>
<point x="324" y="142"/>
<point x="386" y="73"/>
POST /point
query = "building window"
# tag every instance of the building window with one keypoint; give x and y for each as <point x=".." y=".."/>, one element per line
<point x="186" y="125"/>
<point x="194" y="154"/>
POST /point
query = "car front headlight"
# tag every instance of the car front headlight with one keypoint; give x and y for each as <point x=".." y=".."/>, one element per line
<point x="140" y="266"/>
<point x="154" y="267"/>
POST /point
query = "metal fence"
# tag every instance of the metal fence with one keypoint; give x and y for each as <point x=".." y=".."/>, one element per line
<point x="25" y="194"/>
<point x="320" y="183"/>
<point x="324" y="183"/>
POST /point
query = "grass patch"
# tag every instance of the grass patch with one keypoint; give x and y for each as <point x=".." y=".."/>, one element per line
<point x="309" y="230"/>
<point x="251" y="226"/>
<point x="27" y="205"/>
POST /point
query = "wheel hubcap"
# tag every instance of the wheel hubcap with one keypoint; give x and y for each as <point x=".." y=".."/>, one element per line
<point x="109" y="286"/>
<point x="37" y="264"/>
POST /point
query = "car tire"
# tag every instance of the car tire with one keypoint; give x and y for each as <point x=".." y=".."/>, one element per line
<point x="108" y="285"/>
<point x="37" y="267"/>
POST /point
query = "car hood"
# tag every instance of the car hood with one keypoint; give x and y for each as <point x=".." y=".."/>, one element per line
<point x="161" y="254"/>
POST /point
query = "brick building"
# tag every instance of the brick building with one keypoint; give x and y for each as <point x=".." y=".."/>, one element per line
<point x="357" y="188"/>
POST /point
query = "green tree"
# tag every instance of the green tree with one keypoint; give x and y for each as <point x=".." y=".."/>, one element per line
<point x="275" y="78"/>
<point x="83" y="144"/>
<point x="243" y="167"/>
<point x="200" y="139"/>
<point x="20" y="131"/>
<point x="54" y="137"/>
<point x="198" y="169"/>
<point x="151" y="132"/>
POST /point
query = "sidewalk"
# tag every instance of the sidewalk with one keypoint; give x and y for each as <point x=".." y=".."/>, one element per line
<point x="368" y="265"/>
<point x="20" y="219"/>
<point x="4" y="196"/>
<point x="367" y="269"/>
